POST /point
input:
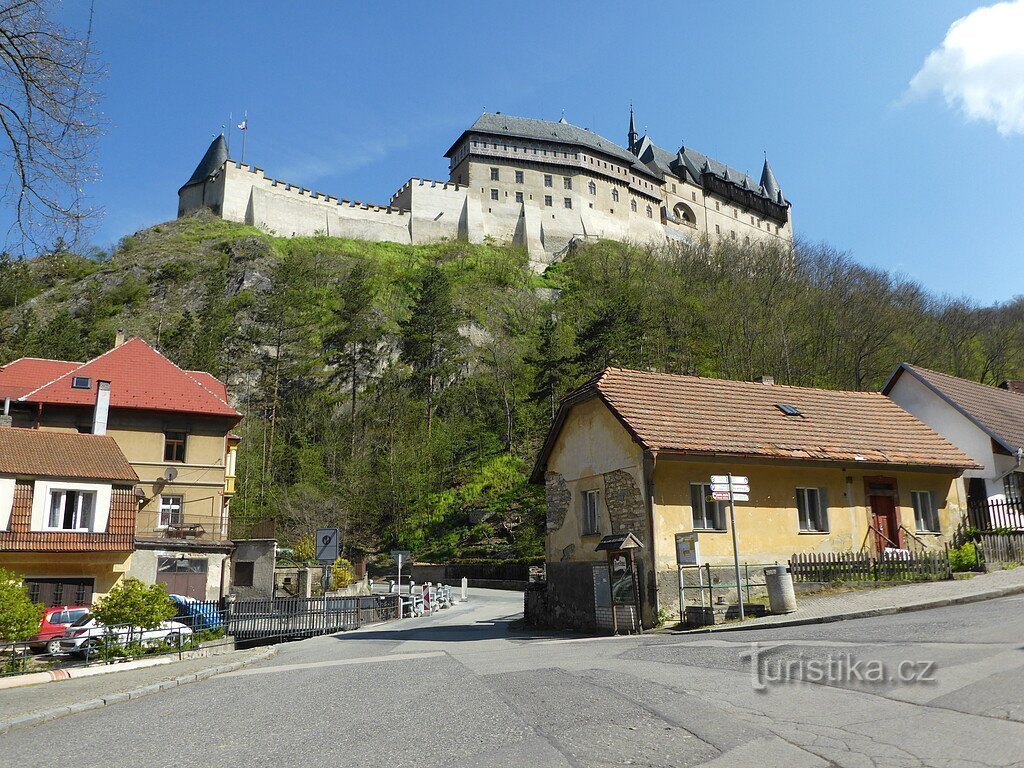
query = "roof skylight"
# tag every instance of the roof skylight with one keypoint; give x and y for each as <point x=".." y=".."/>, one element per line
<point x="789" y="410"/>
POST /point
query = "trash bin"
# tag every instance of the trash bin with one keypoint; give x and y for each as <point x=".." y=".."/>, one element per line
<point x="781" y="597"/>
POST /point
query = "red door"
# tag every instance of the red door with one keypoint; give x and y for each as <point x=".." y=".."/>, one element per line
<point x="885" y="520"/>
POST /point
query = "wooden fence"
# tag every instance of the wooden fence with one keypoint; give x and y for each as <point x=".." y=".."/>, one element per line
<point x="862" y="566"/>
<point x="1001" y="549"/>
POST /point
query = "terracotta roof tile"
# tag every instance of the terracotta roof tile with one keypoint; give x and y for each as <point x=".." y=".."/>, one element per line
<point x="140" y="377"/>
<point x="68" y="455"/>
<point x="999" y="412"/>
<point x="26" y="373"/>
<point x="690" y="414"/>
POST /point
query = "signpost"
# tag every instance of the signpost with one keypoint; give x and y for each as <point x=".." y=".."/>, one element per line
<point x="732" y="488"/>
<point x="687" y="553"/>
<point x="327" y="551"/>
<point x="400" y="555"/>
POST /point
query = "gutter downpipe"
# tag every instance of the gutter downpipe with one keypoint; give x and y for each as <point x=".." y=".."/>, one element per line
<point x="1020" y="458"/>
<point x="650" y="463"/>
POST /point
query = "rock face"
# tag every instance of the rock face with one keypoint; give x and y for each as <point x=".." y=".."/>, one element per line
<point x="558" y="498"/>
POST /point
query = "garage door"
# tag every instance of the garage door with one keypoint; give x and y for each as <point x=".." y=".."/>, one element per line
<point x="183" y="575"/>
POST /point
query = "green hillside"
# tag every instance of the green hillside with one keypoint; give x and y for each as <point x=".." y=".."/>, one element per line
<point x="401" y="392"/>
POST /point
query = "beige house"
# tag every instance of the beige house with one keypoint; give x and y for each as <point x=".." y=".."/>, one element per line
<point x="829" y="471"/>
<point x="173" y="426"/>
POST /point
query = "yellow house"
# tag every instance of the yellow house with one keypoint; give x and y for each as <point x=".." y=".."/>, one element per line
<point x="174" y="427"/>
<point x="829" y="471"/>
<point x="67" y="513"/>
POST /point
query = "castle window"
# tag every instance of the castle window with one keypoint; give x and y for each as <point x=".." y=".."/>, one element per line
<point x="548" y="180"/>
<point x="568" y="202"/>
<point x="717" y="206"/>
<point x="494" y="194"/>
<point x="732" y="234"/>
<point x="673" y="187"/>
<point x="632" y="205"/>
<point x="615" y="195"/>
<point x="735" y="213"/>
<point x="494" y="174"/>
<point x="519" y="197"/>
<point x="592" y="188"/>
<point x="683" y="213"/>
<point x="547" y="201"/>
<point x="519" y="177"/>
<point x="718" y="230"/>
<point x="693" y="196"/>
<point x="751" y="219"/>
<point x="650" y="212"/>
<point x="567" y="182"/>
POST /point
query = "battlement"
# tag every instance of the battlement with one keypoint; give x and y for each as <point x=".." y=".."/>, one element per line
<point x="311" y="196"/>
<point x="432" y="183"/>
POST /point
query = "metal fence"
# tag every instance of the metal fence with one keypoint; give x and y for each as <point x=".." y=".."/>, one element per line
<point x="1004" y="515"/>
<point x="901" y="565"/>
<point x="701" y="582"/>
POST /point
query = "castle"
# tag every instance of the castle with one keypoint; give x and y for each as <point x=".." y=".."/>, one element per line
<point x="534" y="183"/>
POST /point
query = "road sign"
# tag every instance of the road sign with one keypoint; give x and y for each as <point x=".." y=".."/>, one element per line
<point x="720" y="495"/>
<point x="736" y="479"/>
<point x="401" y="556"/>
<point x="327" y="545"/>
<point x="736" y="487"/>
<point x="740" y="497"/>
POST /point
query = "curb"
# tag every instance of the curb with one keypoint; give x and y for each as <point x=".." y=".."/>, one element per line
<point x="865" y="614"/>
<point x="26" y="721"/>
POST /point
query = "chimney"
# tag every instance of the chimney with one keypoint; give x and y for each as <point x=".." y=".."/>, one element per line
<point x="765" y="379"/>
<point x="6" y="420"/>
<point x="99" y="418"/>
<point x="119" y="338"/>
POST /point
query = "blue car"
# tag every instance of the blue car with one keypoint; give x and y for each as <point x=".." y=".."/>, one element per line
<point x="196" y="614"/>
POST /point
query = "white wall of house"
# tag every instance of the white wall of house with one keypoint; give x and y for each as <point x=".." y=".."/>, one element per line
<point x="6" y="501"/>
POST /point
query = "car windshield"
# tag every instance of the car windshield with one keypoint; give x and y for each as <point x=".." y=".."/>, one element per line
<point x="76" y="615"/>
<point x="82" y="620"/>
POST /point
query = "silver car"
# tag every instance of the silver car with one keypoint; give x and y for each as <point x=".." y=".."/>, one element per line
<point x="87" y="635"/>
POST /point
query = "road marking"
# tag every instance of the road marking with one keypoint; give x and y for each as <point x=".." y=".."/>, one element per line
<point x="582" y="640"/>
<point x="334" y="663"/>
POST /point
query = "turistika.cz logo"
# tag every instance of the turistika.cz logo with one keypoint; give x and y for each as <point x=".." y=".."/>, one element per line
<point x="834" y="669"/>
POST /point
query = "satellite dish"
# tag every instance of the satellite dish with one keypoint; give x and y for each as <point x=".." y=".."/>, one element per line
<point x="170" y="473"/>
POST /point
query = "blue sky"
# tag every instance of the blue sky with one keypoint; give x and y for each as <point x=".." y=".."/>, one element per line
<point x="354" y="98"/>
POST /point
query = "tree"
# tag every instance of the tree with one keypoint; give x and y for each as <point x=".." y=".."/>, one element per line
<point x="48" y="121"/>
<point x="430" y="338"/>
<point x="19" y="616"/>
<point x="134" y="604"/>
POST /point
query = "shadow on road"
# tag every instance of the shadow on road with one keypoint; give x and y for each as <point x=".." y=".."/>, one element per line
<point x="406" y="630"/>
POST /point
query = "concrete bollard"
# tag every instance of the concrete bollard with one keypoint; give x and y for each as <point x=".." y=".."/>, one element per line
<point x="465" y="589"/>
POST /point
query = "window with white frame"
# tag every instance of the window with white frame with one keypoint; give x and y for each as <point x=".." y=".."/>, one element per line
<point x="591" y="512"/>
<point x="708" y="514"/>
<point x="812" y="509"/>
<point x="926" y="516"/>
<point x="171" y="511"/>
<point x="71" y="510"/>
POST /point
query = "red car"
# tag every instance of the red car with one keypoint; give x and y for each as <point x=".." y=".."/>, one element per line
<point x="55" y="624"/>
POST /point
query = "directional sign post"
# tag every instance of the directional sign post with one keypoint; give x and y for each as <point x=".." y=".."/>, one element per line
<point x="327" y="552"/>
<point x="400" y="555"/>
<point x="732" y="488"/>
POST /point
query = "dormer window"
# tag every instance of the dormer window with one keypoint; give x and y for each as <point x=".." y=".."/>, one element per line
<point x="81" y="382"/>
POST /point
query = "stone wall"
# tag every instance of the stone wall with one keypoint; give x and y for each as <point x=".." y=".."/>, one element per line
<point x="626" y="506"/>
<point x="558" y="497"/>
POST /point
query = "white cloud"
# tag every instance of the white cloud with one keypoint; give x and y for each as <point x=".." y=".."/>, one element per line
<point x="979" y="69"/>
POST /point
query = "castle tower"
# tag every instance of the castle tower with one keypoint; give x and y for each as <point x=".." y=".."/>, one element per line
<point x="632" y="137"/>
<point x="770" y="184"/>
<point x="205" y="188"/>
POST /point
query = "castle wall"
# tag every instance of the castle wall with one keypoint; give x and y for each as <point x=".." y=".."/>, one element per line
<point x="436" y="209"/>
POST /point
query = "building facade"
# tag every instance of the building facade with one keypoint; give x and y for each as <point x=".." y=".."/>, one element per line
<point x="534" y="183"/>
<point x="830" y="472"/>
<point x="174" y="428"/>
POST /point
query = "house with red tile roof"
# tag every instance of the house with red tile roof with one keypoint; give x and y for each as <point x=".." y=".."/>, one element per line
<point x="986" y="423"/>
<point x="67" y="513"/>
<point x="174" y="426"/>
<point x="633" y="452"/>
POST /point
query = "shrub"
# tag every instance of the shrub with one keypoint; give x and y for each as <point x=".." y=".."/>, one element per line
<point x="342" y="573"/>
<point x="964" y="558"/>
<point x="135" y="604"/>
<point x="19" y="616"/>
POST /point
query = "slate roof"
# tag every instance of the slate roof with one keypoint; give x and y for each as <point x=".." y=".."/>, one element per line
<point x="998" y="412"/>
<point x="65" y="455"/>
<point x="497" y="124"/>
<point x="214" y="159"/>
<point x="23" y="375"/>
<point x="714" y="417"/>
<point x="140" y="378"/>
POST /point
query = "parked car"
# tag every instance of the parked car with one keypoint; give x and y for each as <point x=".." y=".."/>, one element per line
<point x="88" y="635"/>
<point x="196" y="614"/>
<point x="55" y="623"/>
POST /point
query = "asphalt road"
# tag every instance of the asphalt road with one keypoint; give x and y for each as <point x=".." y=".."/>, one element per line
<point x="460" y="689"/>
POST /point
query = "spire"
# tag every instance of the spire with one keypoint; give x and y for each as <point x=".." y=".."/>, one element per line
<point x="632" y="136"/>
<point x="771" y="186"/>
<point x="214" y="159"/>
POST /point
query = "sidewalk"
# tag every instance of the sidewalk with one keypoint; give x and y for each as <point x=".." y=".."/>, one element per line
<point x="33" y="704"/>
<point x="883" y="601"/>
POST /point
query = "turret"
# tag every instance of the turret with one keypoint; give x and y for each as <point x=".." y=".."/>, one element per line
<point x="771" y="186"/>
<point x="211" y="164"/>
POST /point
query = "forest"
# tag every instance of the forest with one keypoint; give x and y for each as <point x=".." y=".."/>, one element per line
<point x="402" y="392"/>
